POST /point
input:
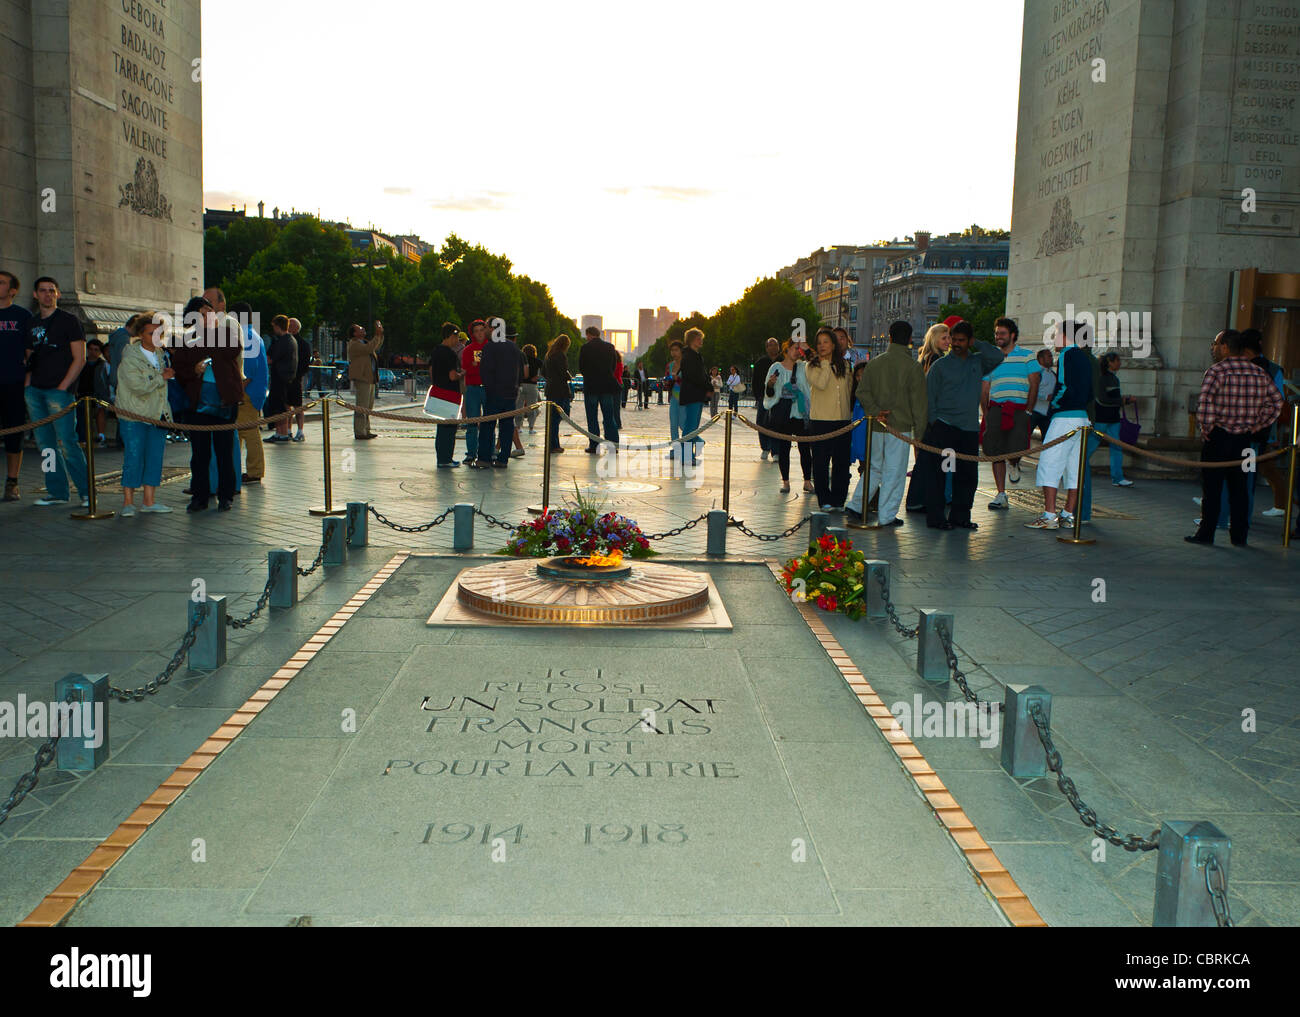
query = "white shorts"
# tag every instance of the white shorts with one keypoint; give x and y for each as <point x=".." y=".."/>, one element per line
<point x="1060" y="461"/>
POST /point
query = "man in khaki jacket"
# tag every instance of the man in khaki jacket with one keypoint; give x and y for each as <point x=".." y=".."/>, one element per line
<point x="361" y="371"/>
<point x="893" y="391"/>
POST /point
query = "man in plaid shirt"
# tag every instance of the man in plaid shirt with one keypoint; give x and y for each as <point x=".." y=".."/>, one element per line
<point x="1237" y="399"/>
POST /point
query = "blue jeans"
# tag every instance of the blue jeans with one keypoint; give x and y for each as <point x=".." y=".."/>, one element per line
<point x="608" y="407"/>
<point x="674" y="422"/>
<point x="61" y="435"/>
<point x="1085" y="487"/>
<point x="142" y="461"/>
<point x="473" y="408"/>
<point x="1116" y="453"/>
<point x="494" y="432"/>
<point x="689" y="419"/>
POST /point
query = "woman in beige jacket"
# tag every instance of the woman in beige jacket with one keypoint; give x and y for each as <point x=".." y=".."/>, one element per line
<point x="831" y="387"/>
<point x="142" y="379"/>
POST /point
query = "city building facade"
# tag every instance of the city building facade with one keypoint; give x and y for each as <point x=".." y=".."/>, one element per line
<point x="914" y="286"/>
<point x="840" y="280"/>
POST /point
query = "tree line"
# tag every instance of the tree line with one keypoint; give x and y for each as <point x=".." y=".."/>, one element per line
<point x="311" y="270"/>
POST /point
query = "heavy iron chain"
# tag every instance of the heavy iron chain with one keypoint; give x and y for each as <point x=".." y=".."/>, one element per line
<point x="959" y="676"/>
<point x="150" y="688"/>
<point x="676" y="531"/>
<point x="1218" y="891"/>
<point x="903" y="630"/>
<point x="1131" y="842"/>
<point x="243" y="623"/>
<point x="44" y="756"/>
<point x="494" y="521"/>
<point x="422" y="528"/>
<point x="769" y="537"/>
<point x="320" y="557"/>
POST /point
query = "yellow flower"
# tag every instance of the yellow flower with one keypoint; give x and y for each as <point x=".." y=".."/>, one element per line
<point x="828" y="587"/>
<point x="858" y="567"/>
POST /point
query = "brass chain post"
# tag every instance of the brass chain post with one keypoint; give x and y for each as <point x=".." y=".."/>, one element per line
<point x="91" y="512"/>
<point x="1077" y="538"/>
<point x="1290" y="480"/>
<point x="329" y="509"/>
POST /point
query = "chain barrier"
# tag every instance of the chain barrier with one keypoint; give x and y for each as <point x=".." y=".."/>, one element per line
<point x="959" y="676"/>
<point x="422" y="528"/>
<point x="150" y="688"/>
<point x="494" y="521"/>
<point x="903" y="630"/>
<point x="44" y="756"/>
<point x="1131" y="842"/>
<point x="770" y="537"/>
<point x="677" y="531"/>
<point x="243" y="623"/>
<point x="1218" y="891"/>
<point x="320" y="559"/>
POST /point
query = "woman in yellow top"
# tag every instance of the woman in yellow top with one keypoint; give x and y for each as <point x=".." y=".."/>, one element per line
<point x="830" y="384"/>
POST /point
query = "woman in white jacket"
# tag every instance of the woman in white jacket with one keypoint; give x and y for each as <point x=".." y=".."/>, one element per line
<point x="142" y="380"/>
<point x="786" y="403"/>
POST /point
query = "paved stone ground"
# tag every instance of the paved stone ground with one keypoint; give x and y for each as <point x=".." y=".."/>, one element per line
<point x="1150" y="684"/>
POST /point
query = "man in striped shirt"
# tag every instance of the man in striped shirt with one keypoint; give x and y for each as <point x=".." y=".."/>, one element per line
<point x="1237" y="399"/>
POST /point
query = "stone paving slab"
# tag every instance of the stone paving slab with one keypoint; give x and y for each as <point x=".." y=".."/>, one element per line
<point x="701" y="822"/>
<point x="1160" y="641"/>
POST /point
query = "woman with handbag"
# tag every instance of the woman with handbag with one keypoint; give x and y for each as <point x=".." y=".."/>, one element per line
<point x="786" y="409"/>
<point x="443" y="400"/>
<point x="734" y="388"/>
<point x="142" y="376"/>
<point x="1110" y="406"/>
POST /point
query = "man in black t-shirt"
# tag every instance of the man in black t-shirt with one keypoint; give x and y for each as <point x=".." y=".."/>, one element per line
<point x="771" y="354"/>
<point x="56" y="352"/>
<point x="304" y="370"/>
<point x="13" y="372"/>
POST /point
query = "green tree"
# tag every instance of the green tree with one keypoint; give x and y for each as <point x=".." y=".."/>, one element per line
<point x="282" y="289"/>
<point x="986" y="301"/>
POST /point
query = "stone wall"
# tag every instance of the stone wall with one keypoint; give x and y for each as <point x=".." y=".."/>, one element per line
<point x="103" y="155"/>
<point x="1130" y="174"/>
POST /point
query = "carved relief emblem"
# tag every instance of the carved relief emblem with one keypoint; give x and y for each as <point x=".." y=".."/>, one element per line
<point x="142" y="194"/>
<point x="1063" y="233"/>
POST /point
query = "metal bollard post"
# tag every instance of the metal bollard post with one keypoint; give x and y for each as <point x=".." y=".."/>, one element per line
<point x="817" y="523"/>
<point x="209" y="650"/>
<point x="837" y="532"/>
<point x="1023" y="754"/>
<point x="358" y="523"/>
<point x="83" y="724"/>
<point x="1181" y="895"/>
<point x="334" y="533"/>
<point x="717" y="532"/>
<point x="284" y="591"/>
<point x="931" y="661"/>
<point x="872" y="571"/>
<point x="463" y="537"/>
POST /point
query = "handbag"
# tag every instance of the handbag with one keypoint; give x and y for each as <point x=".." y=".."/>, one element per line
<point x="438" y="403"/>
<point x="1129" y="429"/>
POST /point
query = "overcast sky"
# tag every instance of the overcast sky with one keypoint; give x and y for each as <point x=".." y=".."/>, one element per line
<point x="627" y="155"/>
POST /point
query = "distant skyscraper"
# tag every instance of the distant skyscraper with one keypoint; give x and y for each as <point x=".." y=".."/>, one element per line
<point x="592" y="321"/>
<point x="651" y="326"/>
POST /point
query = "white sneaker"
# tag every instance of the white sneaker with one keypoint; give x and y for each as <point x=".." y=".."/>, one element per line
<point x="1046" y="521"/>
<point x="1273" y="513"/>
<point x="1013" y="473"/>
<point x="1000" y="502"/>
<point x="127" y="511"/>
<point x="1121" y="483"/>
<point x="51" y="501"/>
<point x="1067" y="519"/>
<point x="156" y="507"/>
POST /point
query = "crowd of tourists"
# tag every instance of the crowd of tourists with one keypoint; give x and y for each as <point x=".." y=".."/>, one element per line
<point x="935" y="410"/>
<point x="212" y="370"/>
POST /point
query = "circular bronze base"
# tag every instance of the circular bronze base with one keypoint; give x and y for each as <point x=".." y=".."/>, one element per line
<point x="516" y="591"/>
